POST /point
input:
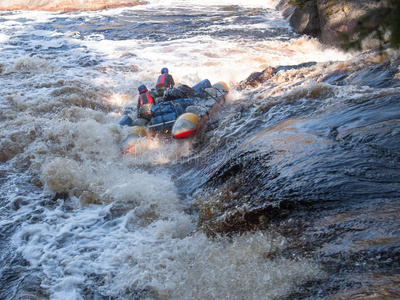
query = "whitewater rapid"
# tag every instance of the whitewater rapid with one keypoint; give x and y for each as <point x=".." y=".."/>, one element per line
<point x="82" y="221"/>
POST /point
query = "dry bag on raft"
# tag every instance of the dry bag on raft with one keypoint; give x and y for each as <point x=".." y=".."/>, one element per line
<point x="165" y="113"/>
<point x="200" y="87"/>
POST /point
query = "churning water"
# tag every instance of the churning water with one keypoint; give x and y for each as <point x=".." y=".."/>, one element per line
<point x="292" y="192"/>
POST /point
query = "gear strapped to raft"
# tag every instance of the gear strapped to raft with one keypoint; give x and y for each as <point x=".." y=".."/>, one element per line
<point x="164" y="114"/>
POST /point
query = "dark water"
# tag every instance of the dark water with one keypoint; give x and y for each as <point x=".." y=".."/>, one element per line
<point x="323" y="168"/>
<point x="292" y="192"/>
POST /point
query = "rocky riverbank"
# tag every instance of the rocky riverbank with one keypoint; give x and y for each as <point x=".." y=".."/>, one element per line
<point x="65" y="5"/>
<point x="330" y="20"/>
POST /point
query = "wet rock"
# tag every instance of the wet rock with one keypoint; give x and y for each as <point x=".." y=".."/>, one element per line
<point x="336" y="77"/>
<point x="376" y="76"/>
<point x="286" y="8"/>
<point x="271" y="176"/>
<point x="293" y="67"/>
<point x="256" y="78"/>
<point x="306" y="20"/>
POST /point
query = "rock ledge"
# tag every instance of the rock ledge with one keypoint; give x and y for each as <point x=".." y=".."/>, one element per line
<point x="328" y="20"/>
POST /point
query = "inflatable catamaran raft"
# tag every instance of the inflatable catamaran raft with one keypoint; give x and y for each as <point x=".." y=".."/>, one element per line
<point x="181" y="118"/>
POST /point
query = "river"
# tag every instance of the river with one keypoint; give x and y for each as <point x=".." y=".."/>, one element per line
<point x="291" y="193"/>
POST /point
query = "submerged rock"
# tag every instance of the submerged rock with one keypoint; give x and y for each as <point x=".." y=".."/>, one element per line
<point x="303" y="166"/>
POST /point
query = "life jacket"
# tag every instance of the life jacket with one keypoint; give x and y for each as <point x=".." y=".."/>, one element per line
<point x="145" y="97"/>
<point x="163" y="79"/>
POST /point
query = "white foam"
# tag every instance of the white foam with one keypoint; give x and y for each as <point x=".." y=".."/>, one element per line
<point x="207" y="3"/>
<point x="4" y="38"/>
<point x="157" y="260"/>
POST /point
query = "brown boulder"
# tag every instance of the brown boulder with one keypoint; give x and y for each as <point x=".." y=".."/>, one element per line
<point x="305" y="20"/>
<point x="339" y="17"/>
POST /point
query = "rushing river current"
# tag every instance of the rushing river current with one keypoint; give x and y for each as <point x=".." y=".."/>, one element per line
<point x="292" y="192"/>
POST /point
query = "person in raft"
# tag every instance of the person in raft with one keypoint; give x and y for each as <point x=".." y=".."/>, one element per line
<point x="145" y="102"/>
<point x="165" y="80"/>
